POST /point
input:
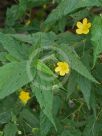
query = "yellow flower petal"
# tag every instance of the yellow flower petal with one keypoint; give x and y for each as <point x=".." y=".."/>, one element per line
<point x="57" y="69"/>
<point x="28" y="22"/>
<point x="85" y="21"/>
<point x="60" y="63"/>
<point x="62" y="68"/>
<point x="86" y="31"/>
<point x="83" y="28"/>
<point x="65" y="63"/>
<point x="66" y="67"/>
<point x="24" y="96"/>
<point x="62" y="73"/>
<point x="89" y="25"/>
<point x="79" y="25"/>
<point x="79" y="31"/>
<point x="68" y="70"/>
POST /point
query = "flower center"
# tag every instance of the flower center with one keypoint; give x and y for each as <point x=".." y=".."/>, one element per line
<point x="85" y="27"/>
<point x="63" y="67"/>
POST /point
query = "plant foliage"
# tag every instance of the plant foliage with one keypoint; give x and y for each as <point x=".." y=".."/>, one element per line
<point x="37" y="34"/>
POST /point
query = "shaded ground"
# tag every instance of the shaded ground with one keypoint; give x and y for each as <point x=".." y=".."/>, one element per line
<point x="4" y="4"/>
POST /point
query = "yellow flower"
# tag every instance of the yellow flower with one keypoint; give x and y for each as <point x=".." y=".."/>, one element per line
<point x="62" y="68"/>
<point x="83" y="28"/>
<point x="28" y="22"/>
<point x="45" y="6"/>
<point x="24" y="96"/>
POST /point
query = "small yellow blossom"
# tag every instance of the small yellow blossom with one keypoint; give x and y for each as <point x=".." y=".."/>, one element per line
<point x="83" y="27"/>
<point x="28" y="22"/>
<point x="45" y="6"/>
<point x="24" y="96"/>
<point x="62" y="68"/>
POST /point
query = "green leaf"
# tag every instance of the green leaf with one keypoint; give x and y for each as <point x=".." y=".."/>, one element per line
<point x="44" y="38"/>
<point x="68" y="37"/>
<point x="14" y="76"/>
<point x="1" y="133"/>
<point x="17" y="11"/>
<point x="73" y="132"/>
<point x="85" y="87"/>
<point x="89" y="128"/>
<point x="97" y="37"/>
<point x="97" y="71"/>
<point x="41" y="66"/>
<point x="75" y="63"/>
<point x="56" y="104"/>
<point x="11" y="16"/>
<point x="45" y="124"/>
<point x="42" y="88"/>
<point x="68" y="6"/>
<point x="5" y="117"/>
<point x="72" y="83"/>
<point x="15" y="48"/>
<point x="10" y="130"/>
<point x="93" y="103"/>
<point x="84" y="84"/>
<point x="23" y="5"/>
<point x="2" y="56"/>
<point x="7" y="104"/>
<point x="30" y="118"/>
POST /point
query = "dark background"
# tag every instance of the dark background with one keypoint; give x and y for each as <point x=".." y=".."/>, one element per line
<point x="4" y="4"/>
